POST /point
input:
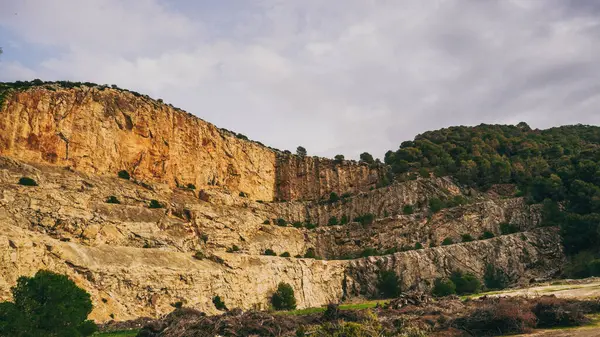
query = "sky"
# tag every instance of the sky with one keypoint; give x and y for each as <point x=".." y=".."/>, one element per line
<point x="335" y="76"/>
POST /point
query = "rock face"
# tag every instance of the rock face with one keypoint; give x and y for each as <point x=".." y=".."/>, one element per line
<point x="103" y="131"/>
<point x="135" y="260"/>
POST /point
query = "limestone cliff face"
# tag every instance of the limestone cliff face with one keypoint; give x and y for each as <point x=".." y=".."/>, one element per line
<point x="311" y="178"/>
<point x="102" y="131"/>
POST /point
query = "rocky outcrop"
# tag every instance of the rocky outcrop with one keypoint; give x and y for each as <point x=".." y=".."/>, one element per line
<point x="101" y="131"/>
<point x="524" y="257"/>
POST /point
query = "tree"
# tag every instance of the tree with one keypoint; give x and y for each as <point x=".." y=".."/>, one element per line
<point x="366" y="157"/>
<point x="339" y="158"/>
<point x="219" y="304"/>
<point x="301" y="151"/>
<point x="47" y="304"/>
<point x="466" y="283"/>
<point x="388" y="284"/>
<point x="443" y="287"/>
<point x="283" y="298"/>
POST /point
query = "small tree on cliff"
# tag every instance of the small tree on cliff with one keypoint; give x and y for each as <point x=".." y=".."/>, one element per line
<point x="301" y="151"/>
<point x="366" y="157"/>
<point x="283" y="298"/>
<point x="47" y="304"/>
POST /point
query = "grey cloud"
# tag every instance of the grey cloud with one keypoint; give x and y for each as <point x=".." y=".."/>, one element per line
<point x="334" y="76"/>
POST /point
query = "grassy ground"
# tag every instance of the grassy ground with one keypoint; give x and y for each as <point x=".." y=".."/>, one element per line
<point x="128" y="333"/>
<point x="348" y="306"/>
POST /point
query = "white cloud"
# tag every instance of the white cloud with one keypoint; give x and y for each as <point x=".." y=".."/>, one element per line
<point x="334" y="76"/>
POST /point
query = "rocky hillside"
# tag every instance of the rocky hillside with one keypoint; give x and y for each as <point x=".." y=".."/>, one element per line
<point x="203" y="206"/>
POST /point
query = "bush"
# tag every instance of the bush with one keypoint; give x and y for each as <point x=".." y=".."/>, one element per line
<point x="26" y="181"/>
<point x="365" y="219"/>
<point x="112" y="200"/>
<point x="407" y="209"/>
<point x="266" y="222"/>
<point x="366" y="157"/>
<point x="191" y="186"/>
<point x="436" y="205"/>
<point x="243" y="194"/>
<point x="124" y="175"/>
<point x="281" y="222"/>
<point x="339" y="158"/>
<point x="418" y="245"/>
<point x="199" y="255"/>
<point x="310" y="254"/>
<point x="47" y="304"/>
<point x="269" y="252"/>
<point x="285" y="254"/>
<point x="486" y="235"/>
<point x="219" y="304"/>
<point x="506" y="228"/>
<point x="443" y="287"/>
<point x="447" y="241"/>
<point x="233" y="249"/>
<point x="554" y="312"/>
<point x="368" y="252"/>
<point x="466" y="283"/>
<point x="344" y="219"/>
<point x="388" y="284"/>
<point x="283" y="298"/>
<point x="502" y="317"/>
<point x="583" y="264"/>
<point x="333" y="197"/>
<point x="332" y="221"/>
<point x="466" y="238"/>
<point x="495" y="278"/>
<point x="297" y="224"/>
<point x="155" y="204"/>
<point x="309" y="225"/>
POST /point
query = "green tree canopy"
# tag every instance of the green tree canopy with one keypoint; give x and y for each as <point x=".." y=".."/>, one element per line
<point x="47" y="304"/>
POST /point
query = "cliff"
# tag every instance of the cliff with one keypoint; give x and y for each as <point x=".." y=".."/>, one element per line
<point x="209" y="239"/>
<point x="101" y="131"/>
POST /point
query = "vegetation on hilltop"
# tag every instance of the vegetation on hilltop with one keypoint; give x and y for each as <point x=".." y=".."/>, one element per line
<point x="558" y="167"/>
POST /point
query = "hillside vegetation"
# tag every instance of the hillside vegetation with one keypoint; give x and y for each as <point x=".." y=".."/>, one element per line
<point x="557" y="167"/>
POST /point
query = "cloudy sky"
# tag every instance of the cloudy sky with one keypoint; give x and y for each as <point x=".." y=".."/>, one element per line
<point x="336" y="76"/>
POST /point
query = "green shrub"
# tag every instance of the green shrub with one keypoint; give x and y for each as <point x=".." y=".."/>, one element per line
<point x="436" y="205"/>
<point x="368" y="252"/>
<point x="407" y="209"/>
<point x="418" y="245"/>
<point x="155" y="204"/>
<point x="365" y="219"/>
<point x="204" y="237"/>
<point x="486" y="235"/>
<point x="346" y="195"/>
<point x="310" y="254"/>
<point x="583" y="264"/>
<point x="285" y="254"/>
<point x="281" y="222"/>
<point x="297" y="224"/>
<point x="339" y="158"/>
<point x="309" y="225"/>
<point x="233" y="249"/>
<point x="333" y="221"/>
<point x="495" y="278"/>
<point x="388" y="284"/>
<point x="443" y="287"/>
<point x="283" y="298"/>
<point x="124" y="175"/>
<point x="112" y="200"/>
<point x="243" y="194"/>
<point x="333" y="197"/>
<point x="466" y="238"/>
<point x="466" y="283"/>
<point x="266" y="222"/>
<point x="269" y="252"/>
<point x="26" y="181"/>
<point x="506" y="228"/>
<point x="447" y="241"/>
<point x="191" y="186"/>
<point x="47" y="304"/>
<point x="219" y="304"/>
<point x="199" y="255"/>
